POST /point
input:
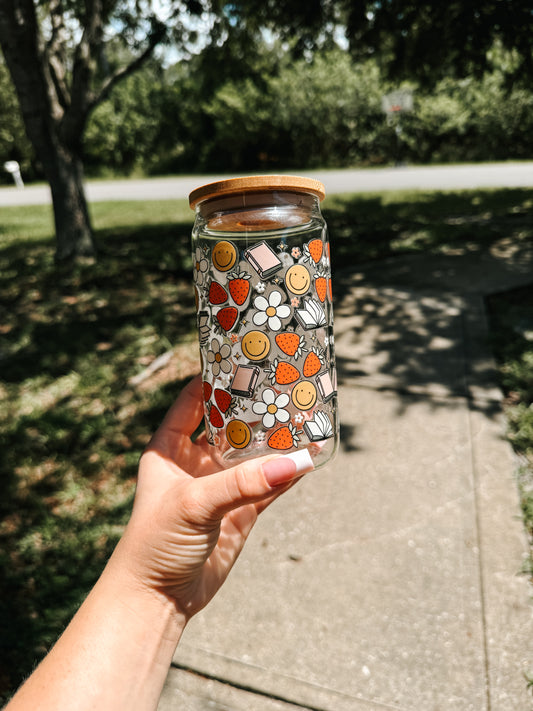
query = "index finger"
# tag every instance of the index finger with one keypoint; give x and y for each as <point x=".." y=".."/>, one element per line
<point x="187" y="411"/>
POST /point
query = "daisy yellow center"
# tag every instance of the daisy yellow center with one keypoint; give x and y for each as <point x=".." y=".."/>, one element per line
<point x="218" y="357"/>
<point x="271" y="311"/>
<point x="272" y="409"/>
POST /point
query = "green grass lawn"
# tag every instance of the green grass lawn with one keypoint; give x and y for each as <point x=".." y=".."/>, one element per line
<point x="72" y="421"/>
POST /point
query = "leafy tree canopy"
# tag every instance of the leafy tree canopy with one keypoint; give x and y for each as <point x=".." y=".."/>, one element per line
<point x="430" y="39"/>
<point x="423" y="39"/>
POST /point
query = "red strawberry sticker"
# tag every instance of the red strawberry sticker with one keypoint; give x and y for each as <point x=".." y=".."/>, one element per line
<point x="312" y="364"/>
<point x="283" y="373"/>
<point x="208" y="389"/>
<point x="239" y="287"/>
<point x="284" y="438"/>
<point x="215" y="418"/>
<point x="315" y="248"/>
<point x="217" y="294"/>
<point x="291" y="344"/>
<point x="224" y="401"/>
<point x="321" y="286"/>
<point x="226" y="317"/>
<point x="330" y="292"/>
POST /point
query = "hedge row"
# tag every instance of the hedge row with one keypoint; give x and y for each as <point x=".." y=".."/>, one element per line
<point x="304" y="114"/>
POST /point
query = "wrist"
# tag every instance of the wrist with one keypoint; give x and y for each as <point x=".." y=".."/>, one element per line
<point x="115" y="653"/>
<point x="143" y="599"/>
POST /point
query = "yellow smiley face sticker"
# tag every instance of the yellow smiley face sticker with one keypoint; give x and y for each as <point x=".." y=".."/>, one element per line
<point x="238" y="434"/>
<point x="255" y="345"/>
<point x="224" y="256"/>
<point x="298" y="279"/>
<point x="304" y="395"/>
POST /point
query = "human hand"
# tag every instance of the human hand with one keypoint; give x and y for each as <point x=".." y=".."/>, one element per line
<point x="190" y="520"/>
<point x="188" y="526"/>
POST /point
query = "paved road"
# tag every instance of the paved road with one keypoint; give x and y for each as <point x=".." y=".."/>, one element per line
<point x="452" y="177"/>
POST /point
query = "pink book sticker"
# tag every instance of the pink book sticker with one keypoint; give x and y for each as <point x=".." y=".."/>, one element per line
<point x="263" y="259"/>
<point x="245" y="380"/>
<point x="325" y="386"/>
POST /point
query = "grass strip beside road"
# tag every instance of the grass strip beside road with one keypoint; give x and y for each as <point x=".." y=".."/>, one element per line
<point x="74" y="339"/>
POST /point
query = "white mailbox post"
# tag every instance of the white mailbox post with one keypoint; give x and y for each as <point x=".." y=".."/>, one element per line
<point x="12" y="167"/>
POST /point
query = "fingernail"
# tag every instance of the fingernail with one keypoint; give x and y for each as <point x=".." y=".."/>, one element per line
<point x="287" y="467"/>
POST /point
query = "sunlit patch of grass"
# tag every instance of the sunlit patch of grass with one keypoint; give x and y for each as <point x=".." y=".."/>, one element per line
<point x="371" y="226"/>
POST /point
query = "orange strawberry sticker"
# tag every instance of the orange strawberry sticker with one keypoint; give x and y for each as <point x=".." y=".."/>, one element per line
<point x="283" y="373"/>
<point x="284" y="438"/>
<point x="239" y="287"/>
<point x="312" y="363"/>
<point x="291" y="344"/>
<point x="315" y="249"/>
<point x="321" y="286"/>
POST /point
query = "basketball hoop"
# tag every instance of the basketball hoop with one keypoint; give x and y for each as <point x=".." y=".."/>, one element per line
<point x="393" y="105"/>
<point x="397" y="102"/>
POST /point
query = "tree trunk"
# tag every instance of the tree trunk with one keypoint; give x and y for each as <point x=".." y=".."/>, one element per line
<point x="56" y="141"/>
<point x="74" y="237"/>
<point x="57" y="94"/>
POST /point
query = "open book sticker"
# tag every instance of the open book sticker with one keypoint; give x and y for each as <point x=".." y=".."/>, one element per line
<point x="311" y="316"/>
<point x="319" y="427"/>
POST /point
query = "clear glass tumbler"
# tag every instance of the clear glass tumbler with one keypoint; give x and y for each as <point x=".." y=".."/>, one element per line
<point x="262" y="280"/>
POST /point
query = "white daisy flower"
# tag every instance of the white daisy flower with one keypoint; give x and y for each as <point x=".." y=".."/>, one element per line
<point x="260" y="287"/>
<point x="270" y="311"/>
<point x="200" y="265"/>
<point x="217" y="357"/>
<point x="272" y="408"/>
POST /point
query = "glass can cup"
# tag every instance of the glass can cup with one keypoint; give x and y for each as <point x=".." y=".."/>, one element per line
<point x="262" y="280"/>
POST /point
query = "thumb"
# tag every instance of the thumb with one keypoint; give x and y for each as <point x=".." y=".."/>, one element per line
<point x="247" y="483"/>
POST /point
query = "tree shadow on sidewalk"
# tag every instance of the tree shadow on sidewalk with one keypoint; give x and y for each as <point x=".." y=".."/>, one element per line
<point x="413" y="321"/>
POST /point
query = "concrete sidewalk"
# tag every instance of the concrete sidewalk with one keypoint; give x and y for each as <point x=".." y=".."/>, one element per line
<point x="390" y="579"/>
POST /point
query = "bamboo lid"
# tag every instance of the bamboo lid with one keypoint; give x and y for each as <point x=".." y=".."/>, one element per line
<point x="256" y="183"/>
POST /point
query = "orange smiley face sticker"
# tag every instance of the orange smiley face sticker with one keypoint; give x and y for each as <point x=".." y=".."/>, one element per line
<point x="298" y="279"/>
<point x="255" y="345"/>
<point x="238" y="434"/>
<point x="304" y="395"/>
<point x="224" y="256"/>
